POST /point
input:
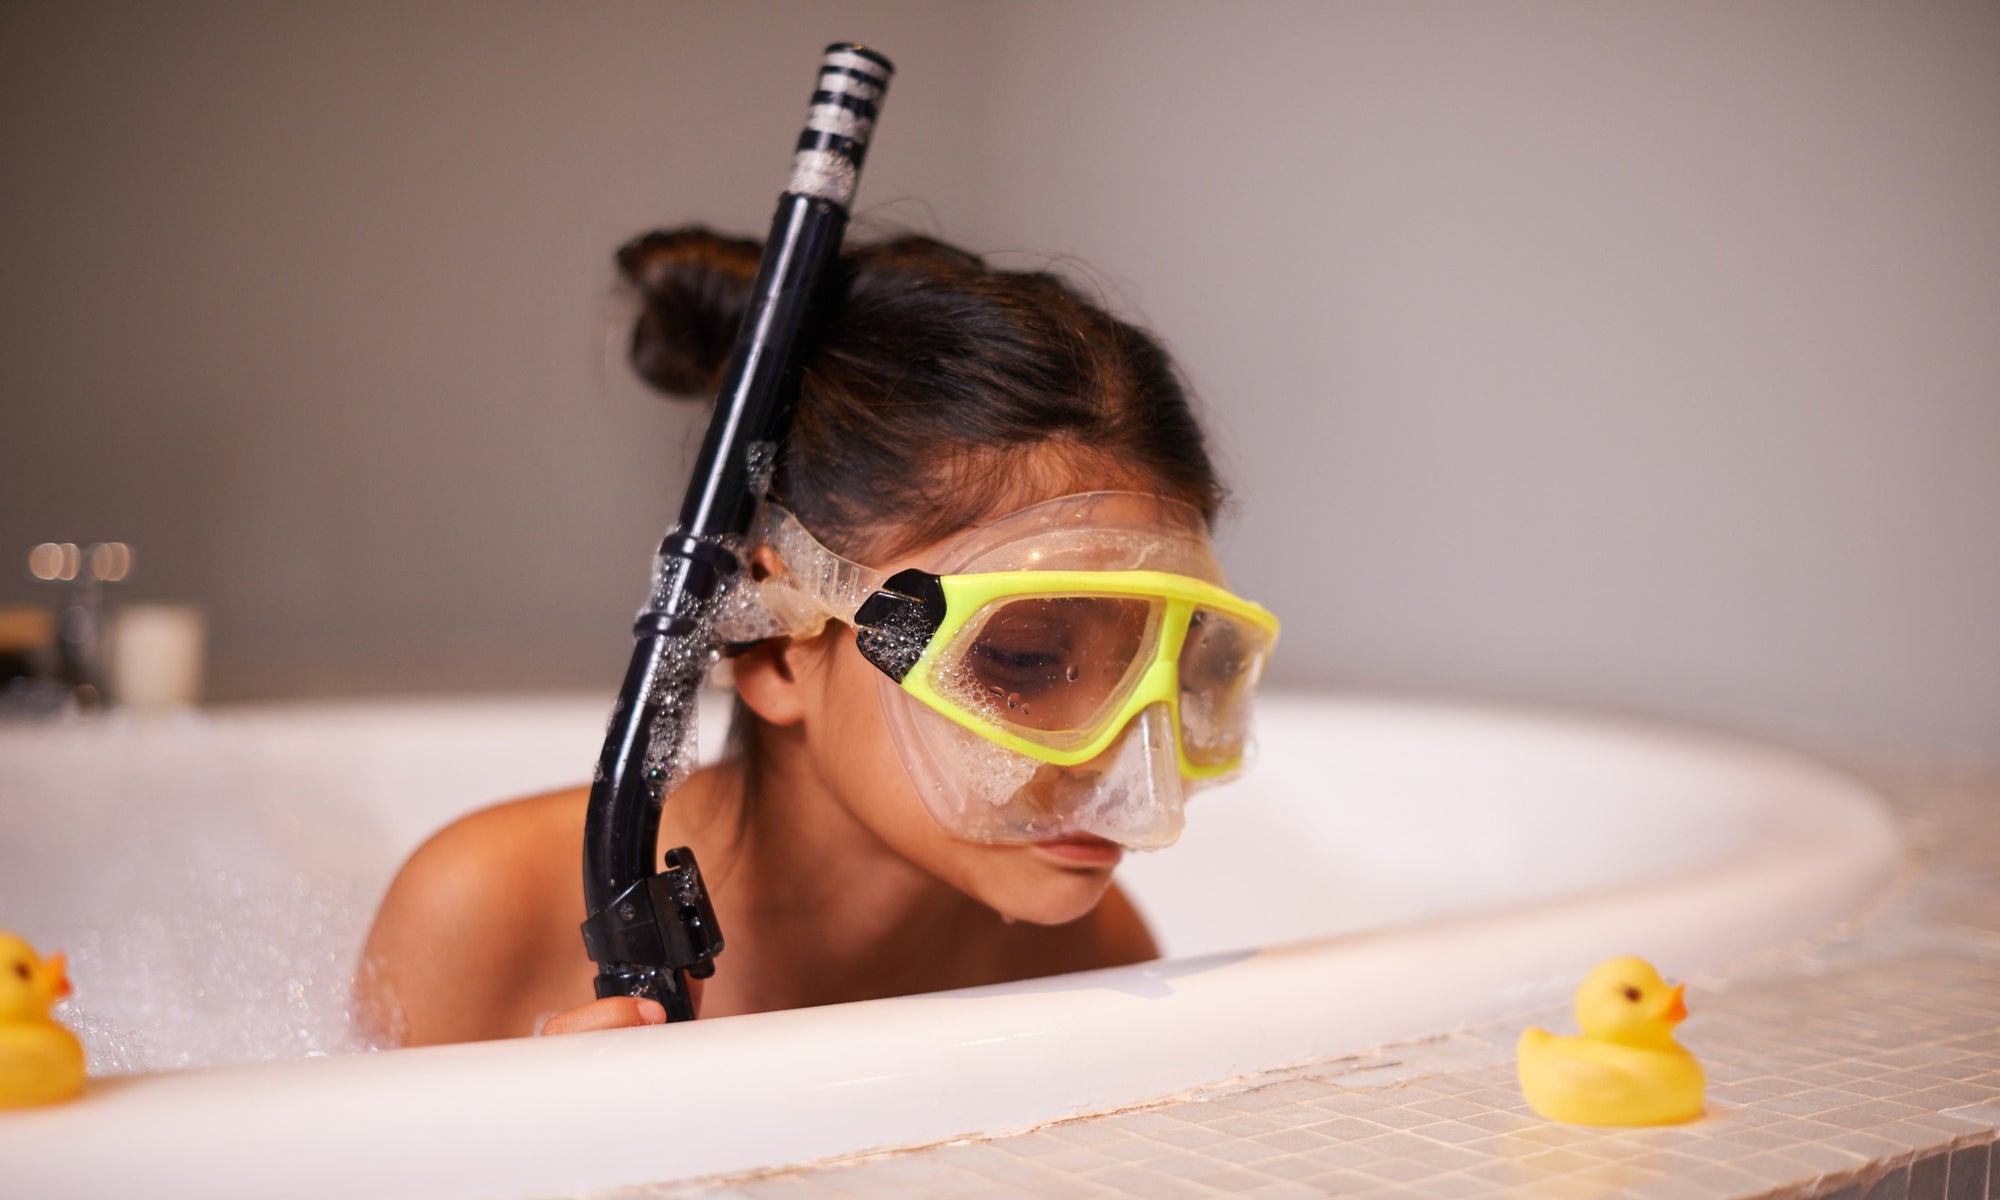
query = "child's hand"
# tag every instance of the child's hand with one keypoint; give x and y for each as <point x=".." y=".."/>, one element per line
<point x="614" y="1012"/>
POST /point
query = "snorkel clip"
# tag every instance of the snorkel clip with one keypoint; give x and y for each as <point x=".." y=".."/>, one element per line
<point x="631" y="943"/>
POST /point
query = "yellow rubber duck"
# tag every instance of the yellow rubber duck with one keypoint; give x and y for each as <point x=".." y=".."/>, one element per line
<point x="40" y="1061"/>
<point x="1626" y="1069"/>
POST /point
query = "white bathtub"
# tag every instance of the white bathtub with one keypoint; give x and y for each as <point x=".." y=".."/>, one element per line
<point x="1384" y="872"/>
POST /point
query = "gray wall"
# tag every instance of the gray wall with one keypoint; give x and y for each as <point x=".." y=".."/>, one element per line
<point x="1639" y="357"/>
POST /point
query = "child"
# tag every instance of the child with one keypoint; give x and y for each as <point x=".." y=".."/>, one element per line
<point x="933" y="774"/>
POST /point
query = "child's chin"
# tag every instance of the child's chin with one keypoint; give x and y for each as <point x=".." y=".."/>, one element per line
<point x="1071" y="896"/>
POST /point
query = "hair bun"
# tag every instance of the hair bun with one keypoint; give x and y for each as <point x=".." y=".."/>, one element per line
<point x="695" y="285"/>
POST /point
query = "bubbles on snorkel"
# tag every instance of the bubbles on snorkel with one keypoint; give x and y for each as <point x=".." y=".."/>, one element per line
<point x="676" y="675"/>
<point x="760" y="462"/>
<point x="673" y="687"/>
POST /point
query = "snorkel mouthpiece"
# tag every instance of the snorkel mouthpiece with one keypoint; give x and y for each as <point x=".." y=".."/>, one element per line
<point x="664" y="922"/>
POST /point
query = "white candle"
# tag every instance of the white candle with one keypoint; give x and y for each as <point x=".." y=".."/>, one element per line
<point x="156" y="655"/>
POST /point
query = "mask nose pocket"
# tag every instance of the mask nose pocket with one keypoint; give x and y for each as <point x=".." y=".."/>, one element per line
<point x="1137" y="798"/>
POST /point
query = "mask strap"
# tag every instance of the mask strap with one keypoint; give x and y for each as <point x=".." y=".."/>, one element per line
<point x="812" y="585"/>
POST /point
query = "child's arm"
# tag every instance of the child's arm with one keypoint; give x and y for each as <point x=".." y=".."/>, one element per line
<point x="477" y="933"/>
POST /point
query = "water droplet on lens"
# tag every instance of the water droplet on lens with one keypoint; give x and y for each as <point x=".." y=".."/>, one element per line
<point x="1072" y="673"/>
<point x="1013" y="699"/>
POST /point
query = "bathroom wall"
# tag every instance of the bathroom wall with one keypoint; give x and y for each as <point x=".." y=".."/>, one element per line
<point x="1637" y="357"/>
<point x="312" y="304"/>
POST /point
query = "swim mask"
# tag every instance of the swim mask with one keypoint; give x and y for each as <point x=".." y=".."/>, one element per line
<point x="1074" y="668"/>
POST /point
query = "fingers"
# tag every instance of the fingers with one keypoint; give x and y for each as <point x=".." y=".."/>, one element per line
<point x="612" y="1012"/>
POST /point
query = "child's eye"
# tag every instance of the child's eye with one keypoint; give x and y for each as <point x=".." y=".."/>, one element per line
<point x="1018" y="667"/>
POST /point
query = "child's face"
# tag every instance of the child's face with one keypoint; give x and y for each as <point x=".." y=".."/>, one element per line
<point x="851" y="745"/>
<point x="1046" y="883"/>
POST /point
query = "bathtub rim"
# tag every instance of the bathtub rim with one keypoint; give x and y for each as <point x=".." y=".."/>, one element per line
<point x="586" y="1103"/>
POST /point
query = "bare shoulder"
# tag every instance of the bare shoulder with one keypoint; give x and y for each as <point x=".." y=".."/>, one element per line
<point x="474" y="918"/>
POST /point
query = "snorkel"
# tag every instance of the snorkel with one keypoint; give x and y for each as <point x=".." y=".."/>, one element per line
<point x="647" y="931"/>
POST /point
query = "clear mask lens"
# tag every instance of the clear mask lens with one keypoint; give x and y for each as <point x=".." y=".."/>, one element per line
<point x="1219" y="666"/>
<point x="1057" y="669"/>
<point x="1054" y="668"/>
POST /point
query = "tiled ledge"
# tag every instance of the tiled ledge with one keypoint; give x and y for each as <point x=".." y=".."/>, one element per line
<point x="1862" y="1068"/>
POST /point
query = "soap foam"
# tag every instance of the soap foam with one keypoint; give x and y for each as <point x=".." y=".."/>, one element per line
<point x="209" y="906"/>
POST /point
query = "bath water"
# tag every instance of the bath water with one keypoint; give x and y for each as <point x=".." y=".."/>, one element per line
<point x="211" y="913"/>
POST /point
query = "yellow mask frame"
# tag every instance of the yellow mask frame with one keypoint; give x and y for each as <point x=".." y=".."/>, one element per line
<point x="918" y="609"/>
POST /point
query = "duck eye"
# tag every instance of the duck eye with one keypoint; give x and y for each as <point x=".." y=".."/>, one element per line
<point x="1632" y="994"/>
<point x="21" y="970"/>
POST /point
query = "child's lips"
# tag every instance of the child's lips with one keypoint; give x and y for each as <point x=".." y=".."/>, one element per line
<point x="1083" y="849"/>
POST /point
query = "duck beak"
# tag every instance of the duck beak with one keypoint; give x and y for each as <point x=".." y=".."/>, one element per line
<point x="1677" y="1009"/>
<point x="57" y="966"/>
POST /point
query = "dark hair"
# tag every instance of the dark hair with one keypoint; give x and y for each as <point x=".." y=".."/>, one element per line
<point x="929" y="378"/>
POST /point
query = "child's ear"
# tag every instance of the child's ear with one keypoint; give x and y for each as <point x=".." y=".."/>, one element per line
<point x="773" y="676"/>
<point x="769" y="678"/>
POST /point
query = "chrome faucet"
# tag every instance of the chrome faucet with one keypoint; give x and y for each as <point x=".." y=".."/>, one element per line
<point x="76" y="678"/>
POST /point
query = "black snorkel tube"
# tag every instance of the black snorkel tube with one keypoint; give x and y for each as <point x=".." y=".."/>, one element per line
<point x="647" y="930"/>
